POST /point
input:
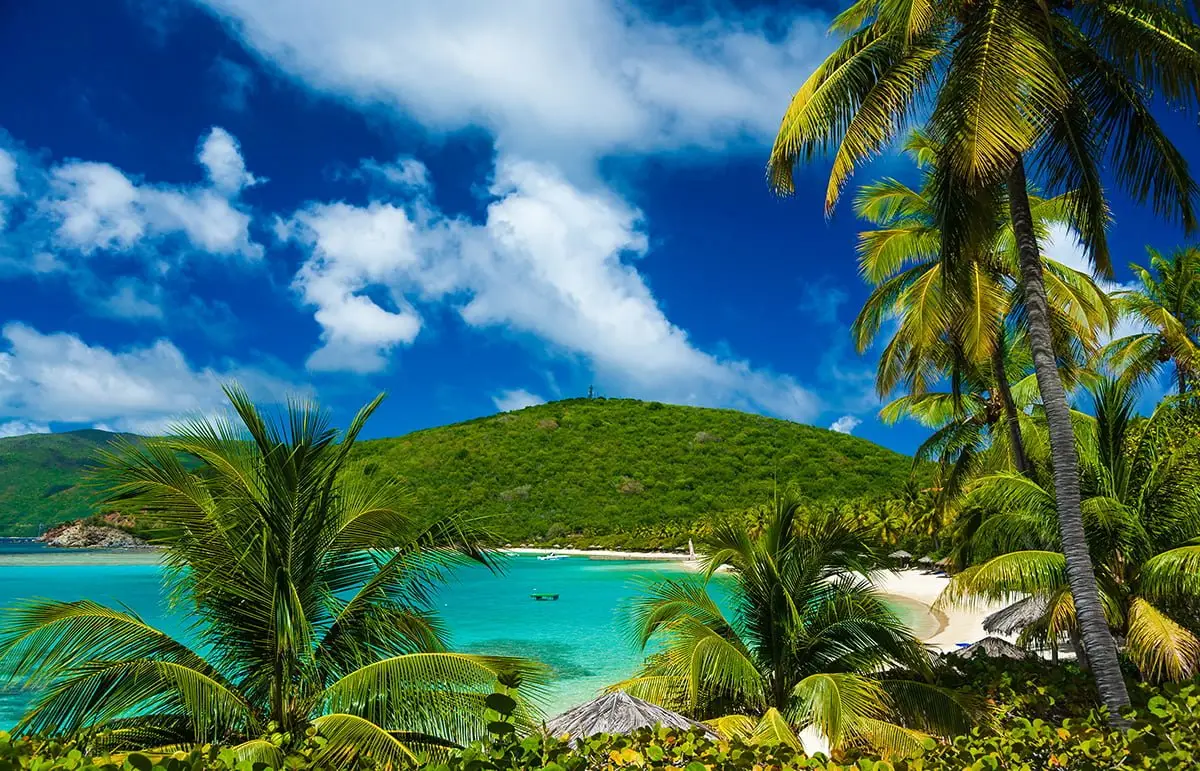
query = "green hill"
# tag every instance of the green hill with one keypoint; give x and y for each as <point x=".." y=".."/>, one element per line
<point x="589" y="467"/>
<point x="41" y="478"/>
<point x="622" y="466"/>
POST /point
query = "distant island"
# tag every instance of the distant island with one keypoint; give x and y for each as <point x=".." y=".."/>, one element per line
<point x="585" y="472"/>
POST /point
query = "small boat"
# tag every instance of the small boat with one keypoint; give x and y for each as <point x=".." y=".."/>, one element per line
<point x="552" y="556"/>
<point x="544" y="596"/>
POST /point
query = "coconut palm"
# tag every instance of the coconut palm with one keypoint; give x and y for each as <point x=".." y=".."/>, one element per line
<point x="1142" y="510"/>
<point x="1167" y="305"/>
<point x="1060" y="84"/>
<point x="807" y="646"/>
<point x="962" y="325"/>
<point x="309" y="588"/>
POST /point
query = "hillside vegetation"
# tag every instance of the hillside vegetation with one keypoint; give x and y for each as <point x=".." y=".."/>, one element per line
<point x="42" y="479"/>
<point x="599" y="470"/>
<point x="619" y="466"/>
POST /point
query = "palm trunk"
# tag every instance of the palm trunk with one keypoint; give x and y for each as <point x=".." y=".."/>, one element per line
<point x="1098" y="644"/>
<point x="1181" y="377"/>
<point x="1020" y="460"/>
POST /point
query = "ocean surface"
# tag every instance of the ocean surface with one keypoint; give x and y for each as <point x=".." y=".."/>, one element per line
<point x="582" y="636"/>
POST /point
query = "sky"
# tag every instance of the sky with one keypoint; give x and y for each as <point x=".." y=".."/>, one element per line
<point x="473" y="206"/>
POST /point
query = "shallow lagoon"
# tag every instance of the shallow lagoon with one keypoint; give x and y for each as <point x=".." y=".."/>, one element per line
<point x="582" y="636"/>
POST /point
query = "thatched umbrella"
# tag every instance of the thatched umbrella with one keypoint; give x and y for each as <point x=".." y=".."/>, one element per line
<point x="618" y="713"/>
<point x="1014" y="618"/>
<point x="925" y="560"/>
<point x="992" y="647"/>
<point x="900" y="555"/>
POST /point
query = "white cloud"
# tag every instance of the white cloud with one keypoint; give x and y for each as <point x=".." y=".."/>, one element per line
<point x="58" y="377"/>
<point x="406" y="174"/>
<point x="8" y="175"/>
<point x="550" y="260"/>
<point x="97" y="207"/>
<point x="354" y="249"/>
<point x="134" y="300"/>
<point x="9" y="186"/>
<point x="551" y="80"/>
<point x="845" y="424"/>
<point x="221" y="157"/>
<point x="516" y="399"/>
<point x="21" y="428"/>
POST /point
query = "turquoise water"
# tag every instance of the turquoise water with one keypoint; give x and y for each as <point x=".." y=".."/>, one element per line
<point x="582" y="636"/>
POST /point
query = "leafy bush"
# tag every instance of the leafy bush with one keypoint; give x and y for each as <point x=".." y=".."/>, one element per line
<point x="1165" y="736"/>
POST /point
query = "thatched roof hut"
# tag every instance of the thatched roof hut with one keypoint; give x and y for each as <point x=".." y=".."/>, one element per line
<point x="1014" y="618"/>
<point x="992" y="647"/>
<point x="926" y="560"/>
<point x="900" y="555"/>
<point x="618" y="713"/>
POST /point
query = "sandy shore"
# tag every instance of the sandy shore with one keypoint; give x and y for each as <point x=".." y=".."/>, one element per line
<point x="962" y="624"/>
<point x="606" y="554"/>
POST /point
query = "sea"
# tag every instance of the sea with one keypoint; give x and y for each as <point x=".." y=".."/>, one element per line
<point x="583" y="636"/>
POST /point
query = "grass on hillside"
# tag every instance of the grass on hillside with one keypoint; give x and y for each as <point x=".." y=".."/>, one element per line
<point x="611" y="472"/>
<point x="619" y="466"/>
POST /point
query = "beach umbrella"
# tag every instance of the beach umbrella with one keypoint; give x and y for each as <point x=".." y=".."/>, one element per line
<point x="618" y="713"/>
<point x="900" y="555"/>
<point x="992" y="647"/>
<point x="926" y="560"/>
<point x="1014" y="618"/>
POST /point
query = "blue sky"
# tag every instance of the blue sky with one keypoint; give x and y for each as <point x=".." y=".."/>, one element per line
<point x="471" y="205"/>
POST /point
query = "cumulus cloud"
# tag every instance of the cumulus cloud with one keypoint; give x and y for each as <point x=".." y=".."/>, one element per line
<point x="845" y="424"/>
<point x="221" y="157"/>
<point x="516" y="399"/>
<point x="95" y="206"/>
<point x="550" y="80"/>
<point x="550" y="260"/>
<point x="58" y="377"/>
<point x="21" y="428"/>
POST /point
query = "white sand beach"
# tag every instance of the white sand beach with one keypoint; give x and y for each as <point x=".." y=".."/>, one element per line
<point x="963" y="624"/>
<point x="610" y="554"/>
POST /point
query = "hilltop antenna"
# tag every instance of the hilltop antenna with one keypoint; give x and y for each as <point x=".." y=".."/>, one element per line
<point x="591" y="392"/>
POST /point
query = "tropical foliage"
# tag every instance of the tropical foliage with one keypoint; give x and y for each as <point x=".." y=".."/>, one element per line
<point x="310" y="590"/>
<point x="806" y="648"/>
<point x="1166" y="304"/>
<point x="1057" y="85"/>
<point x="1142" y="510"/>
<point x="961" y="329"/>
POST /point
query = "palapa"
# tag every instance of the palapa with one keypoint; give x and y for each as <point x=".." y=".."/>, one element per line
<point x="900" y="555"/>
<point x="618" y="713"/>
<point x="926" y="560"/>
<point x="992" y="647"/>
<point x="1014" y="618"/>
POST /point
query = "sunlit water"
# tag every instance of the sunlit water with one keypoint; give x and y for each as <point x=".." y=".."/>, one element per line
<point x="582" y="636"/>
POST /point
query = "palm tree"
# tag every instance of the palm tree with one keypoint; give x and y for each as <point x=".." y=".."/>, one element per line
<point x="962" y="324"/>
<point x="807" y="647"/>
<point x="309" y="588"/>
<point x="1167" y="304"/>
<point x="1059" y="83"/>
<point x="1141" y="507"/>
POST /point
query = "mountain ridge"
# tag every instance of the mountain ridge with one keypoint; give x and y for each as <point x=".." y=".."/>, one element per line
<point x="576" y="467"/>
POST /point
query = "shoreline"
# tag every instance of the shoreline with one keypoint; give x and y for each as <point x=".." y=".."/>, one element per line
<point x="605" y="554"/>
<point x="962" y="624"/>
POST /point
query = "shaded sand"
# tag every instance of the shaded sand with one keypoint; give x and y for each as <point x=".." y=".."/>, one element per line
<point x="963" y="624"/>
